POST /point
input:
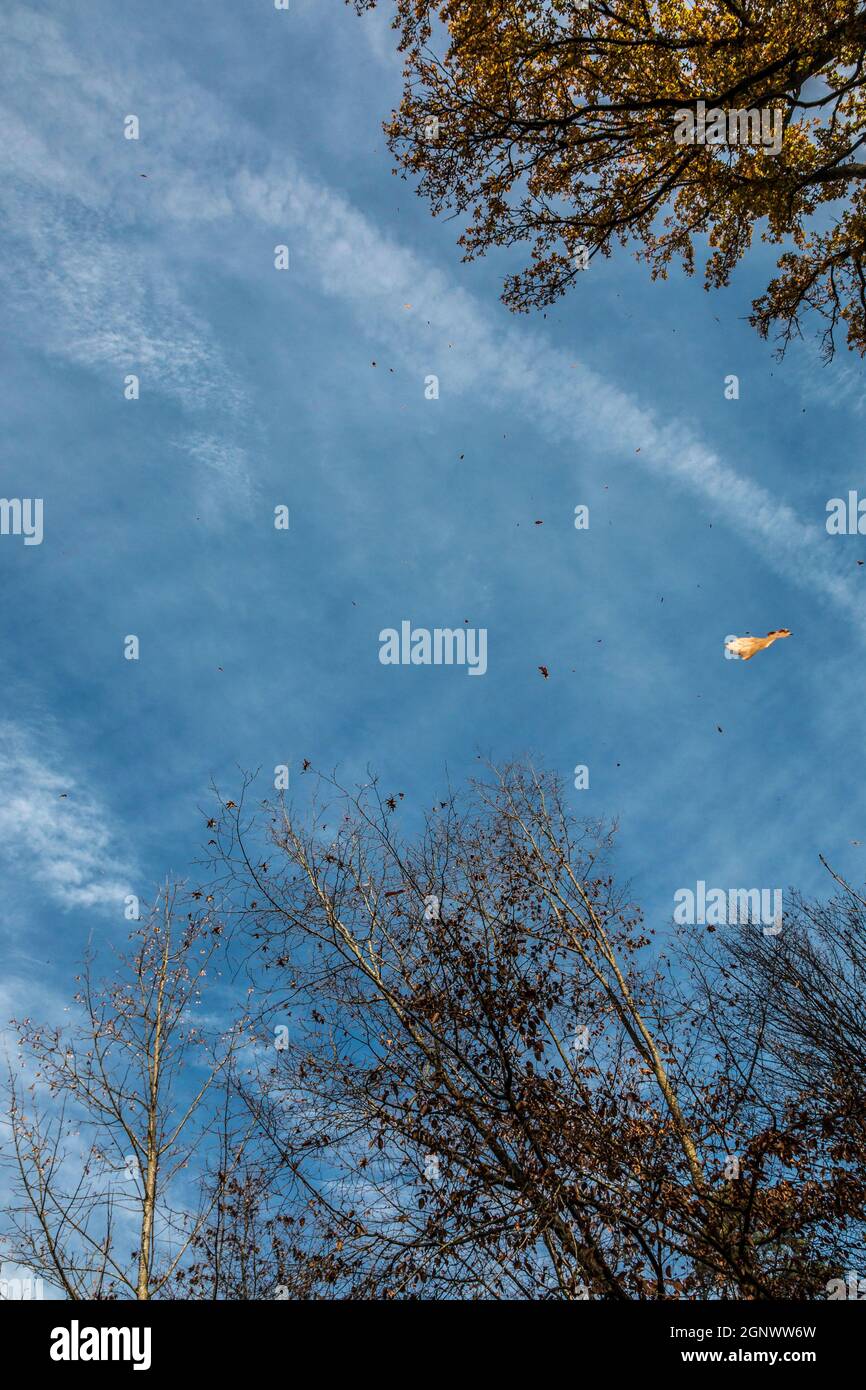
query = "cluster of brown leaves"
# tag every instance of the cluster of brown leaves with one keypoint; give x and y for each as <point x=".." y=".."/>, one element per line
<point x="551" y="123"/>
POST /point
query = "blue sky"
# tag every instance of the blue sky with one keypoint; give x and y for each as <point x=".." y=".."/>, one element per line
<point x="259" y="647"/>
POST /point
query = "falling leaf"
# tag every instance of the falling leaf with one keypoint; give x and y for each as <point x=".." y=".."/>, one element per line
<point x="746" y="647"/>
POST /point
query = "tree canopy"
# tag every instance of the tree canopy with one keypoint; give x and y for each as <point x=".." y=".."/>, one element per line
<point x="489" y="1082"/>
<point x="558" y="124"/>
<point x="451" y="1061"/>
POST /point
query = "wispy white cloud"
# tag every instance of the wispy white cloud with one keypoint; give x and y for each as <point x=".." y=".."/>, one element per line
<point x="230" y="487"/>
<point x="837" y="384"/>
<point x="83" y="279"/>
<point x="106" y="315"/>
<point x="114" y="310"/>
<point x="63" y="845"/>
<point x="352" y="260"/>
